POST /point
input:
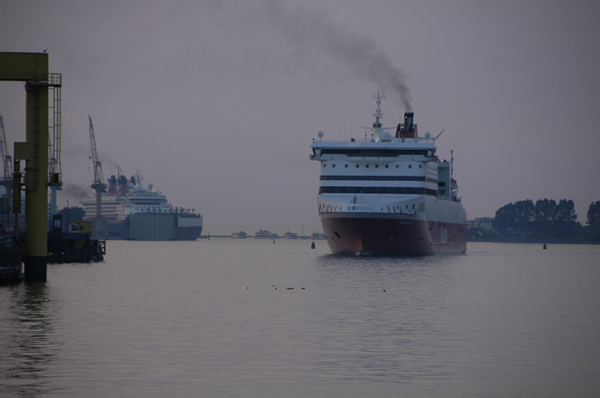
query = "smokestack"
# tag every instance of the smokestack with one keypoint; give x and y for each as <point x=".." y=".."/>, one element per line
<point x="112" y="185"/>
<point x="409" y="128"/>
<point x="408" y="121"/>
<point x="122" y="185"/>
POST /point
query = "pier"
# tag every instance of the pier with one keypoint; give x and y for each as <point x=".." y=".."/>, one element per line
<point x="26" y="255"/>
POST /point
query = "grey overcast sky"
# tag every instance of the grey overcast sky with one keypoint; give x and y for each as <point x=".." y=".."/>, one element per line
<point x="216" y="102"/>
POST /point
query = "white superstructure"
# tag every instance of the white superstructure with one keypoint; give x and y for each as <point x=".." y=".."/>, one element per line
<point x="376" y="195"/>
<point x="132" y="199"/>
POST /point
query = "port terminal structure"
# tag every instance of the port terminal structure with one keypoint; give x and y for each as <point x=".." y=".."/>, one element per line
<point x="32" y="68"/>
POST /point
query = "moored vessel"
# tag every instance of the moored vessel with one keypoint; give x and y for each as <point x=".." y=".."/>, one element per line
<point x="135" y="212"/>
<point x="389" y="194"/>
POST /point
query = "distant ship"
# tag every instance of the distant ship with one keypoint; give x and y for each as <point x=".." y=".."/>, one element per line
<point x="239" y="235"/>
<point x="290" y="235"/>
<point x="389" y="194"/>
<point x="138" y="213"/>
<point x="318" y="236"/>
<point x="262" y="235"/>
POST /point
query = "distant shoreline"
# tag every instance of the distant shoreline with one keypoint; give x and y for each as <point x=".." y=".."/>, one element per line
<point x="533" y="240"/>
<point x="469" y="240"/>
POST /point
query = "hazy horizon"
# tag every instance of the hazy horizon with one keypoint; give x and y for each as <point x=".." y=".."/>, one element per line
<point x="216" y="103"/>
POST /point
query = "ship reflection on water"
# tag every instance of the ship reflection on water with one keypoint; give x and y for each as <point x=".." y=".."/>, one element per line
<point x="27" y="339"/>
<point x="231" y="317"/>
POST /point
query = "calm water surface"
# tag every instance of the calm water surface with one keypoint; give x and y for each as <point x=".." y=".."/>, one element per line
<point x="220" y="317"/>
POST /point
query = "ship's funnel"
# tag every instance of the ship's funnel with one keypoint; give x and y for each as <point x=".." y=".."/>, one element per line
<point x="112" y="185"/>
<point x="122" y="185"/>
<point x="408" y="120"/>
<point x="408" y="129"/>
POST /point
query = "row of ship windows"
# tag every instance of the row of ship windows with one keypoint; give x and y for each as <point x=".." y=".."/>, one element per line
<point x="330" y="208"/>
<point x="391" y="190"/>
<point x="373" y="153"/>
<point x="376" y="166"/>
<point x="376" y="178"/>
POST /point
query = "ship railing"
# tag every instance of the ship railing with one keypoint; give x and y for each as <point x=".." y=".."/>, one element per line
<point x="350" y="140"/>
<point x="399" y="210"/>
<point x="361" y="208"/>
<point x="449" y="198"/>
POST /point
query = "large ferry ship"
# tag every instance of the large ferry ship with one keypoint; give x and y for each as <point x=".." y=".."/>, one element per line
<point x="389" y="194"/>
<point x="135" y="212"/>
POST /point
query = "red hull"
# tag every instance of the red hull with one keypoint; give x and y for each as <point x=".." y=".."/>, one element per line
<point x="392" y="236"/>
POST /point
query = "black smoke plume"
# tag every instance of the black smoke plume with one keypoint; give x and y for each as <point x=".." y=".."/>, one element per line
<point x="360" y="54"/>
<point x="75" y="191"/>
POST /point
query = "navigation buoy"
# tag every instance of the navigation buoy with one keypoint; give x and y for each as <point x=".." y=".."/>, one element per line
<point x="313" y="245"/>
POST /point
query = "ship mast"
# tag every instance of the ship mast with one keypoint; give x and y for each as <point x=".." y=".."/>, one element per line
<point x="377" y="130"/>
<point x="451" y="164"/>
<point x="378" y="114"/>
<point x="453" y="185"/>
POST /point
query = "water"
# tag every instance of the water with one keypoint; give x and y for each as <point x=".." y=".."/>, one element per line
<point x="219" y="317"/>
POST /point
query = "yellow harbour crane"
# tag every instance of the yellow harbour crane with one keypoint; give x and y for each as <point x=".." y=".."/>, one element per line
<point x="32" y="68"/>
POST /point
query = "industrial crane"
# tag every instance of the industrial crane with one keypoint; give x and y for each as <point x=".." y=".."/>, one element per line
<point x="7" y="182"/>
<point x="6" y="159"/>
<point x="98" y="184"/>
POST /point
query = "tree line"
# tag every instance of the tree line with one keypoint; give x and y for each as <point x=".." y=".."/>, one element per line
<point x="546" y="220"/>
